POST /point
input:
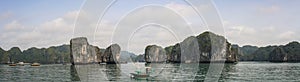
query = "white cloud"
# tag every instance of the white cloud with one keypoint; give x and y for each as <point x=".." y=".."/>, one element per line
<point x="269" y="9"/>
<point x="71" y="15"/>
<point x="245" y="35"/>
<point x="162" y="15"/>
<point x="54" y="32"/>
<point x="288" y="35"/>
<point x="154" y="22"/>
<point x="182" y="9"/>
<point x="14" y="25"/>
<point x="5" y="15"/>
<point x="58" y="25"/>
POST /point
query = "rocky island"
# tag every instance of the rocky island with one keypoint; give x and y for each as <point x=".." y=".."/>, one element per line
<point x="84" y="53"/>
<point x="155" y="54"/>
<point x="204" y="48"/>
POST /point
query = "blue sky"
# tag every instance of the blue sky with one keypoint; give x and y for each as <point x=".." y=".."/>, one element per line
<point x="44" y="23"/>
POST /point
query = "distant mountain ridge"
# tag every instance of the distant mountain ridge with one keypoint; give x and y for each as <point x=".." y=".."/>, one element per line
<point x="290" y="51"/>
<point x="53" y="54"/>
<point x="61" y="54"/>
<point x="127" y="56"/>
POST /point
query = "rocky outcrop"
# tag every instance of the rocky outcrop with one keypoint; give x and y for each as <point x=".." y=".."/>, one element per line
<point x="3" y="57"/>
<point x="246" y="52"/>
<point x="189" y="50"/>
<point x="100" y="54"/>
<point x="155" y="54"/>
<point x="286" y="53"/>
<point x="175" y="55"/>
<point x="293" y="51"/>
<point x="211" y="48"/>
<point x="232" y="55"/>
<point x="82" y="52"/>
<point x="215" y="48"/>
<point x="278" y="55"/>
<point x="112" y="54"/>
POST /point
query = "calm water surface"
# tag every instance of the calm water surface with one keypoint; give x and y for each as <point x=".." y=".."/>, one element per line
<point x="242" y="71"/>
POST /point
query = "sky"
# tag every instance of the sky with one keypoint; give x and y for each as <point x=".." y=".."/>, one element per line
<point x="134" y="25"/>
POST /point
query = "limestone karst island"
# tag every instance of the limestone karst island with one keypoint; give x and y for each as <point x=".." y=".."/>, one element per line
<point x="204" y="47"/>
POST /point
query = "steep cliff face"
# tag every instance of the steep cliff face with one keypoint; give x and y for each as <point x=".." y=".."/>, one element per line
<point x="262" y="54"/>
<point x="212" y="48"/>
<point x="175" y="55"/>
<point x="82" y="52"/>
<point x="155" y="54"/>
<point x="100" y="54"/>
<point x="232" y="53"/>
<point x="14" y="53"/>
<point x="246" y="52"/>
<point x="278" y="55"/>
<point x="112" y="54"/>
<point x="189" y="50"/>
<point x="293" y="51"/>
<point x="216" y="48"/>
<point x="3" y="56"/>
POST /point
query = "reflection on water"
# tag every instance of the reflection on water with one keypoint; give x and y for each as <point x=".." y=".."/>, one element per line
<point x="74" y="75"/>
<point x="113" y="72"/>
<point x="261" y="71"/>
<point x="243" y="71"/>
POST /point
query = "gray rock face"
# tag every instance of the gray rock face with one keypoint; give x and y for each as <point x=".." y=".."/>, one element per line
<point x="82" y="52"/>
<point x="278" y="55"/>
<point x="189" y="50"/>
<point x="112" y="54"/>
<point x="211" y="48"/>
<point x="155" y="54"/>
<point x="175" y="55"/>
<point x="293" y="51"/>
<point x="232" y="53"/>
<point x="100" y="54"/>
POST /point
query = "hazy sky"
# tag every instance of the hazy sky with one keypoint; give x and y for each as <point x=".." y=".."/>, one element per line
<point x="44" y="23"/>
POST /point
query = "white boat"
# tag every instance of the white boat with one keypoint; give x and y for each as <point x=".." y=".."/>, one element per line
<point x="35" y="64"/>
<point x="139" y="76"/>
<point x="20" y="63"/>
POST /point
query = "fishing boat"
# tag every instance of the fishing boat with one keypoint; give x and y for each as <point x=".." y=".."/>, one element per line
<point x="20" y="64"/>
<point x="139" y="76"/>
<point x="35" y="64"/>
<point x="12" y="64"/>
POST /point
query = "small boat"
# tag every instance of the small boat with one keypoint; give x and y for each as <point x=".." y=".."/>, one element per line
<point x="20" y="64"/>
<point x="140" y="76"/>
<point x="35" y="64"/>
<point x="12" y="65"/>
